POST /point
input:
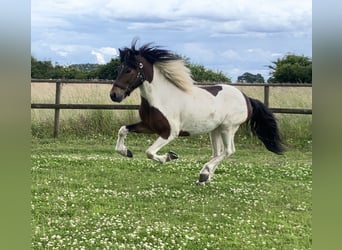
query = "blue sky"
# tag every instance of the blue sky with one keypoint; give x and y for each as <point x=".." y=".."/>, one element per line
<point x="233" y="36"/>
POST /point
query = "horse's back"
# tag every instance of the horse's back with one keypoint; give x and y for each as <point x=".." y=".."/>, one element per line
<point x="226" y="96"/>
<point x="212" y="106"/>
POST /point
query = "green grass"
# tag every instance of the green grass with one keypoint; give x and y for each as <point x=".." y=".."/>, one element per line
<point x="85" y="196"/>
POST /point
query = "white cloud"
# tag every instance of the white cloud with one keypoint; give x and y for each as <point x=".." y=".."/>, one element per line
<point x="234" y="16"/>
<point x="199" y="52"/>
<point x="99" y="57"/>
<point x="222" y="35"/>
<point x="276" y="55"/>
<point x="231" y="55"/>
<point x="104" y="54"/>
<point x="248" y="55"/>
<point x="63" y="50"/>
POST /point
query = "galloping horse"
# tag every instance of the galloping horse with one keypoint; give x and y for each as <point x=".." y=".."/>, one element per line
<point x="172" y="106"/>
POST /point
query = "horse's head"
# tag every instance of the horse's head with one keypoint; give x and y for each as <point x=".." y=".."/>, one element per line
<point x="133" y="71"/>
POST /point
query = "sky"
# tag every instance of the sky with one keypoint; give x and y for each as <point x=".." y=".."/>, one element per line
<point x="232" y="36"/>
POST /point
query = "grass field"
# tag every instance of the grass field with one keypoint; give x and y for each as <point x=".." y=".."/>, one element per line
<point x="85" y="196"/>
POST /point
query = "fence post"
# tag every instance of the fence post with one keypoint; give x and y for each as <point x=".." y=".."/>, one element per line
<point x="266" y="95"/>
<point x="57" y="101"/>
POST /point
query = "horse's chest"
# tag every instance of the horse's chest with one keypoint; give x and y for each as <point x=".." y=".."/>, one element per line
<point x="154" y="119"/>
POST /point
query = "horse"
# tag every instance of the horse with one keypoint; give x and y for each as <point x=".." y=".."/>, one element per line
<point x="172" y="105"/>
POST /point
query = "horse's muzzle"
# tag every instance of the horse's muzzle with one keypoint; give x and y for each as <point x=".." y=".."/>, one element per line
<point x="116" y="97"/>
<point x="117" y="94"/>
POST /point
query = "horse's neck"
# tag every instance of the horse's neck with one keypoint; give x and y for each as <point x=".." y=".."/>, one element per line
<point x="160" y="90"/>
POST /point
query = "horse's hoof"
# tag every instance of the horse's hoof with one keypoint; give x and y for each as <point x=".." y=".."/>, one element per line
<point x="126" y="153"/>
<point x="129" y="153"/>
<point x="203" y="178"/>
<point x="200" y="183"/>
<point x="172" y="156"/>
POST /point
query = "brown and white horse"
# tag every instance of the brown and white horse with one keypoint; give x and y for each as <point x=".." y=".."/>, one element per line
<point x="172" y="106"/>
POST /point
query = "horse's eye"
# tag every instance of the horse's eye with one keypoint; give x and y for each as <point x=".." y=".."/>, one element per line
<point x="128" y="71"/>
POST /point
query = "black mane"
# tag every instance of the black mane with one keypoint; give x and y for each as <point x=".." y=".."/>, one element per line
<point x="151" y="53"/>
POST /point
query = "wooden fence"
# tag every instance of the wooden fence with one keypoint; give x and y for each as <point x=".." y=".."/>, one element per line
<point x="57" y="106"/>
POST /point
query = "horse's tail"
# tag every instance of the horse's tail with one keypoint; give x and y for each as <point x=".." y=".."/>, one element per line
<point x="264" y="126"/>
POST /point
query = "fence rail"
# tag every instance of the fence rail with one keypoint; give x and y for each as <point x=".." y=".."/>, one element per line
<point x="57" y="106"/>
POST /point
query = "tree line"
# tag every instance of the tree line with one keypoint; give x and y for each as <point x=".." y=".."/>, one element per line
<point x="289" y="69"/>
<point x="46" y="70"/>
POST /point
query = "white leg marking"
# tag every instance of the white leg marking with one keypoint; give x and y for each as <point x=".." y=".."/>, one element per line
<point x="227" y="137"/>
<point x="152" y="151"/>
<point x="216" y="142"/>
<point x="120" y="143"/>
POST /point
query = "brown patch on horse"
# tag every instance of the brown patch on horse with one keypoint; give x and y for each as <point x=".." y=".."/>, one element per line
<point x="249" y="107"/>
<point x="147" y="68"/>
<point x="212" y="89"/>
<point x="154" y="120"/>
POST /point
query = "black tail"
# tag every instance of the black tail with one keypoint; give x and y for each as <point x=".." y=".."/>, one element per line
<point x="264" y="125"/>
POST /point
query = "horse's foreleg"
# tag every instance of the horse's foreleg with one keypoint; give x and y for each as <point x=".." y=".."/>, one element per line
<point x="152" y="151"/>
<point x="120" y="143"/>
<point x="123" y="131"/>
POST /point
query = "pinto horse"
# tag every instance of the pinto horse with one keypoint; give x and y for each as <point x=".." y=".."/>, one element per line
<point x="172" y="106"/>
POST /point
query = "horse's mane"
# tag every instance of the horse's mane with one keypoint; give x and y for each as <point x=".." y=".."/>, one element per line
<point x="170" y="65"/>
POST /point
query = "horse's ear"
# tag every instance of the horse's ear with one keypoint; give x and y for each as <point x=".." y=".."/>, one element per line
<point x="121" y="54"/>
<point x="134" y="43"/>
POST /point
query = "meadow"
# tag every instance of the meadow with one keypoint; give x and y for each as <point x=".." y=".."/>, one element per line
<point x="85" y="196"/>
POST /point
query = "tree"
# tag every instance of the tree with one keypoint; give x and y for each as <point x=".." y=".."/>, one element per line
<point x="46" y="70"/>
<point x="200" y="74"/>
<point x="41" y="69"/>
<point x="251" y="78"/>
<point x="292" y="68"/>
<point x="67" y="72"/>
<point x="108" y="71"/>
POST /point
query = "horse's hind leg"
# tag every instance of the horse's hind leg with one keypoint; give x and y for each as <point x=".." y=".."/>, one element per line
<point x="218" y="155"/>
<point x="216" y="142"/>
<point x="227" y="137"/>
<point x="209" y="168"/>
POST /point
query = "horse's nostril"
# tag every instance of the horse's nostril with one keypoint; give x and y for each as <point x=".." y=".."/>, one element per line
<point x="115" y="97"/>
<point x="112" y="96"/>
